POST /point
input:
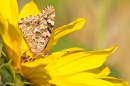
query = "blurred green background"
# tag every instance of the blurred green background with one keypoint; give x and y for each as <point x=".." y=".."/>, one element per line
<point x="108" y="24"/>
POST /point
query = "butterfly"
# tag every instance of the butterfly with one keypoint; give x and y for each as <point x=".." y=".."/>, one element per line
<point x="37" y="29"/>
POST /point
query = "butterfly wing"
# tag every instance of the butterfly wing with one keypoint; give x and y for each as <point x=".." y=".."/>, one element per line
<point x="37" y="29"/>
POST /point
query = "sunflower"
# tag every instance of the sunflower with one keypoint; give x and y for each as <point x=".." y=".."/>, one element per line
<point x="69" y="67"/>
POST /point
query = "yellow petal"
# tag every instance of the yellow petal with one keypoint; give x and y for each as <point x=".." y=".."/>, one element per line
<point x="29" y="9"/>
<point x="81" y="79"/>
<point x="102" y="70"/>
<point x="116" y="81"/>
<point x="9" y="29"/>
<point x="67" y="62"/>
<point x="44" y="61"/>
<point x="36" y="72"/>
<point x="66" y="29"/>
<point x="87" y="79"/>
<point x="9" y="10"/>
<point x="12" y="39"/>
<point x="77" y="61"/>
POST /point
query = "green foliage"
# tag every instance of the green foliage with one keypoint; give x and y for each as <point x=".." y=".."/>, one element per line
<point x="2" y="60"/>
<point x="6" y="72"/>
<point x="9" y="76"/>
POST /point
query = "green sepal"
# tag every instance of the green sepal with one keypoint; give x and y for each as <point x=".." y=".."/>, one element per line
<point x="1" y="84"/>
<point x="27" y="84"/>
<point x="21" y="81"/>
<point x="2" y="50"/>
<point x="1" y="44"/>
<point x="19" y="78"/>
<point x="7" y="73"/>
<point x="20" y="84"/>
<point x="9" y="84"/>
<point x="3" y="59"/>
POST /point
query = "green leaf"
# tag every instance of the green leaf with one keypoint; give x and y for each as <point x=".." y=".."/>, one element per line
<point x="7" y="73"/>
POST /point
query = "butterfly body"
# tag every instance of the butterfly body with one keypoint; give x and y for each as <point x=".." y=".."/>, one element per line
<point x="37" y="29"/>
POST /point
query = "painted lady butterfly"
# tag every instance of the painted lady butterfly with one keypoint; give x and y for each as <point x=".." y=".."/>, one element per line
<point x="37" y="29"/>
